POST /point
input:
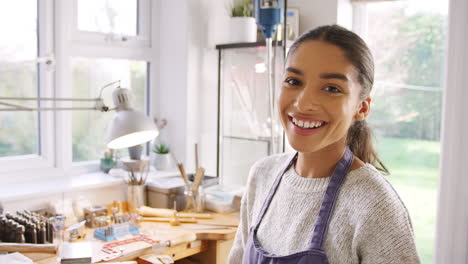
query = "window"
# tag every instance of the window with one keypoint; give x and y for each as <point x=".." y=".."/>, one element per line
<point x="19" y="76"/>
<point x="116" y="16"/>
<point x="407" y="39"/>
<point x="89" y="75"/>
<point x="116" y="22"/>
<point x="96" y="43"/>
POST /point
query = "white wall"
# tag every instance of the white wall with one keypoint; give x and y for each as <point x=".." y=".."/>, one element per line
<point x="171" y="92"/>
<point x="187" y="93"/>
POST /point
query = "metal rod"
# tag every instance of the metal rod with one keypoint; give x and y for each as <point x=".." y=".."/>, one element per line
<point x="46" y="109"/>
<point x="15" y="106"/>
<point x="50" y="99"/>
<point x="271" y="89"/>
<point x="107" y="85"/>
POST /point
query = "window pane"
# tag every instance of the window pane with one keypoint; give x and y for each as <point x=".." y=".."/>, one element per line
<point x="18" y="76"/>
<point x="108" y="16"/>
<point x="407" y="98"/>
<point x="89" y="75"/>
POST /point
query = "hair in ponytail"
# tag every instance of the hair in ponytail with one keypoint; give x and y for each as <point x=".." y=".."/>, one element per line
<point x="359" y="138"/>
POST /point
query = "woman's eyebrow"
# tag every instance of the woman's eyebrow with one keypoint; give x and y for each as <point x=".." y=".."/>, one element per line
<point x="334" y="76"/>
<point x="294" y="70"/>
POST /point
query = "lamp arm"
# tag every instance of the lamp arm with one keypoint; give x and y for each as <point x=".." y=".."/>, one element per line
<point x="100" y="106"/>
<point x="107" y="85"/>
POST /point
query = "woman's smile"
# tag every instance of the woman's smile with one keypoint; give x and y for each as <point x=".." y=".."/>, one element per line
<point x="305" y="126"/>
<point x="319" y="97"/>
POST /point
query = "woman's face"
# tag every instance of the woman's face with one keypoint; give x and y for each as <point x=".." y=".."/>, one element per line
<point x="319" y="97"/>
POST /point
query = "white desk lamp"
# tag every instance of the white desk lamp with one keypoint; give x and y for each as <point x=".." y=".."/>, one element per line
<point x="128" y="128"/>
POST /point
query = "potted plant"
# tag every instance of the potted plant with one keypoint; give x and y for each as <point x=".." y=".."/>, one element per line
<point x="243" y="26"/>
<point x="162" y="157"/>
<point x="108" y="161"/>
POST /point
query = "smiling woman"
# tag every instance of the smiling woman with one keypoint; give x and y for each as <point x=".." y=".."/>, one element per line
<point x="329" y="200"/>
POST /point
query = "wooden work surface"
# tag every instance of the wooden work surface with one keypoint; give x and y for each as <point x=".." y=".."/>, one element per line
<point x="221" y="227"/>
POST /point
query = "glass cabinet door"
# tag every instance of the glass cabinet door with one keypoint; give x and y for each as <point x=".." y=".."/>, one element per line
<point x="245" y="120"/>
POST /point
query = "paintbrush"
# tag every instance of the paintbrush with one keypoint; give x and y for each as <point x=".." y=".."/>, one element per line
<point x="182" y="171"/>
<point x="198" y="179"/>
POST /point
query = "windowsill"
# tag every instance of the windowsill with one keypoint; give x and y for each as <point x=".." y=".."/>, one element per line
<point x="57" y="185"/>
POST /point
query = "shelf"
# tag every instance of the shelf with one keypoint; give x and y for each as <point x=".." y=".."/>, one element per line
<point x="247" y="45"/>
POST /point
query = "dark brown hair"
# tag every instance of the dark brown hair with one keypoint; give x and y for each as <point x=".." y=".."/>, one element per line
<point x="359" y="138"/>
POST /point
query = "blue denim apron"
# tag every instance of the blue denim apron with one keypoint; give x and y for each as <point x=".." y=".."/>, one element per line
<point x="255" y="254"/>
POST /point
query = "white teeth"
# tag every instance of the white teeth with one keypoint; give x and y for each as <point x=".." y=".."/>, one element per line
<point x="307" y="124"/>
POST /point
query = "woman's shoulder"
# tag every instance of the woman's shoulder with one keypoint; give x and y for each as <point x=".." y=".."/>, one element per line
<point x="369" y="190"/>
<point x="273" y="161"/>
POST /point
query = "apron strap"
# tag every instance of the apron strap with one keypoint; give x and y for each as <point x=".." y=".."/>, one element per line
<point x="329" y="200"/>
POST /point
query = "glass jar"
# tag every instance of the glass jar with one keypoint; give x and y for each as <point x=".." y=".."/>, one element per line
<point x="194" y="199"/>
<point x="135" y="197"/>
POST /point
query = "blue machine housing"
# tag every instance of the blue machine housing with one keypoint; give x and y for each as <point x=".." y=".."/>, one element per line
<point x="268" y="18"/>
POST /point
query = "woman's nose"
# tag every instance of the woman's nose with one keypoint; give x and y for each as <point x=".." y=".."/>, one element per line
<point x="307" y="100"/>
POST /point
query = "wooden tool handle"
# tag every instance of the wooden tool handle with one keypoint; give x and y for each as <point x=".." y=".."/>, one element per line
<point x="161" y="212"/>
<point x="185" y="238"/>
<point x="194" y="215"/>
<point x="198" y="178"/>
<point x="184" y="174"/>
<point x="167" y="219"/>
<point x="28" y="248"/>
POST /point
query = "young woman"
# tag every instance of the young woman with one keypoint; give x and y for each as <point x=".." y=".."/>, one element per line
<point x="327" y="203"/>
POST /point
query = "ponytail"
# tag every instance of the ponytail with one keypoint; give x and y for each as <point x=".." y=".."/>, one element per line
<point x="360" y="142"/>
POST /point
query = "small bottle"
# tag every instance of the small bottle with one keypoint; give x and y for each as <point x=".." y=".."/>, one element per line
<point x="32" y="233"/>
<point x="2" y="227"/>
<point x="42" y="234"/>
<point x="20" y="234"/>
<point x="50" y="232"/>
<point x="10" y="232"/>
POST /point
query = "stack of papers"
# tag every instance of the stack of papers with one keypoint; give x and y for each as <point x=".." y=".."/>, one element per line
<point x="76" y="253"/>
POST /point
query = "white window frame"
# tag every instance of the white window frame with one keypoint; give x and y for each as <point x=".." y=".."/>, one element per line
<point x="60" y="40"/>
<point x="75" y="43"/>
<point x="142" y="39"/>
<point x="22" y="163"/>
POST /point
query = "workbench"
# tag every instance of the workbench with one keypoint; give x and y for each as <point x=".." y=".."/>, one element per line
<point x="214" y="238"/>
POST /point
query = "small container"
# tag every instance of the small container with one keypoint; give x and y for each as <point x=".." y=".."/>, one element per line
<point x="166" y="191"/>
<point x="194" y="200"/>
<point x="135" y="197"/>
<point x="106" y="164"/>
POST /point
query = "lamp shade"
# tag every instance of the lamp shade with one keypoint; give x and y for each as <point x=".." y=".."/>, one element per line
<point x="129" y="128"/>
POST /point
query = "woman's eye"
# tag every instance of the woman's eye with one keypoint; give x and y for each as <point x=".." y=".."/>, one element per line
<point x="332" y="89"/>
<point x="292" y="81"/>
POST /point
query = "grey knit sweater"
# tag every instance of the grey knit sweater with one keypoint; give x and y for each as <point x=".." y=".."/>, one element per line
<point x="369" y="225"/>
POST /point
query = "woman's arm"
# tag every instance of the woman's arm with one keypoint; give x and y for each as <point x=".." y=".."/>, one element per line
<point x="386" y="236"/>
<point x="237" y="251"/>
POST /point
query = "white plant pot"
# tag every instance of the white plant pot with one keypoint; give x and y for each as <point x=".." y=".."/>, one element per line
<point x="162" y="161"/>
<point x="243" y="29"/>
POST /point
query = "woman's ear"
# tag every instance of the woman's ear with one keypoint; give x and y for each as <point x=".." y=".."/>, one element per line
<point x="363" y="110"/>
